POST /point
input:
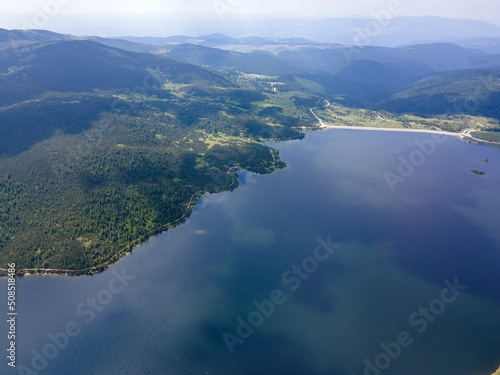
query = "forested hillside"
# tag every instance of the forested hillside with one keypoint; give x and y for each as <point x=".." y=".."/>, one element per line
<point x="102" y="148"/>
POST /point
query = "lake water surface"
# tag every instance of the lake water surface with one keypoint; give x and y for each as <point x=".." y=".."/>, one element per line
<point x="224" y="294"/>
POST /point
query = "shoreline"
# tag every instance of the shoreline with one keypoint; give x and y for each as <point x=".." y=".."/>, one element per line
<point x="464" y="135"/>
<point x="25" y="272"/>
<point x="442" y="132"/>
<point x="139" y="242"/>
<point x="322" y="125"/>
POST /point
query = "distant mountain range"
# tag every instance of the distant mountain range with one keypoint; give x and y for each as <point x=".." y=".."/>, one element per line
<point x="217" y="40"/>
<point x="348" y="31"/>
<point x="362" y="71"/>
<point x="353" y="31"/>
<point x="488" y="45"/>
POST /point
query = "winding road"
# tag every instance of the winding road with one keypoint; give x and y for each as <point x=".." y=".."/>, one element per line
<point x="467" y="133"/>
<point x="317" y="118"/>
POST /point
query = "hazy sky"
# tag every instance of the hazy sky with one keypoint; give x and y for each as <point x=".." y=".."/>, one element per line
<point x="104" y="17"/>
<point x="475" y="9"/>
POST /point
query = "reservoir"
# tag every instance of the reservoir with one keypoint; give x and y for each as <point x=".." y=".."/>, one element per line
<point x="371" y="253"/>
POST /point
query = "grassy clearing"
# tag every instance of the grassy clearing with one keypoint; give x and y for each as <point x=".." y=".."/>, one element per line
<point x="174" y="86"/>
<point x="225" y="114"/>
<point x="258" y="76"/>
<point x="220" y="139"/>
<point x="282" y="100"/>
<point x="339" y="115"/>
<point x="176" y="89"/>
<point x="342" y="116"/>
<point x="487" y="136"/>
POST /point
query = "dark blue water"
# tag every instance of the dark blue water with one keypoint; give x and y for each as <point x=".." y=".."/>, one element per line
<point x="224" y="294"/>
